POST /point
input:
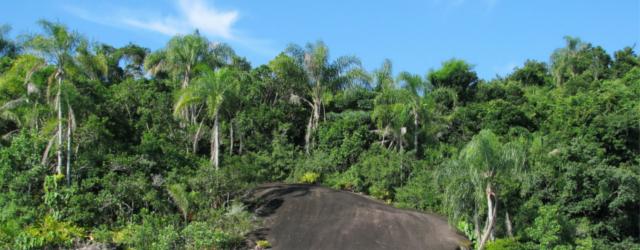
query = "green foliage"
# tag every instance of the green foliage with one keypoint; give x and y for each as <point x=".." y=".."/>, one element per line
<point x="310" y="177"/>
<point x="556" y="142"/>
<point x="550" y="229"/>
<point x="155" y="232"/>
<point x="181" y="198"/>
<point x="377" y="172"/>
<point x="263" y="244"/>
<point x="457" y="75"/>
<point x="49" y="232"/>
<point x="506" y="244"/>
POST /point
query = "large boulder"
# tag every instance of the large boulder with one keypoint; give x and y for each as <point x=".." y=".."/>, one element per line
<point x="314" y="217"/>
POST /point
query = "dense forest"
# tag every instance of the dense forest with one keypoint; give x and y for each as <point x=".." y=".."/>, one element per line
<point x="138" y="149"/>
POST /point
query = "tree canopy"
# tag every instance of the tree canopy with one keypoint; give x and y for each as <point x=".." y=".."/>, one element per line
<point x="154" y="149"/>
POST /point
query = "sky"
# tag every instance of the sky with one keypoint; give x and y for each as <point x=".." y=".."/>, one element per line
<point x="493" y="35"/>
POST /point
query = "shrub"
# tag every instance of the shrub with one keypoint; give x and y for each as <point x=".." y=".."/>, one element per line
<point x="49" y="233"/>
<point x="309" y="177"/>
<point x="263" y="244"/>
<point x="505" y="244"/>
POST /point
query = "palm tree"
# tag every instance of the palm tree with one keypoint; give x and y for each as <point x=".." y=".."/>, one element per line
<point x="181" y="59"/>
<point x="211" y="90"/>
<point x="415" y="85"/>
<point x="323" y="77"/>
<point x="471" y="180"/>
<point x="57" y="46"/>
<point x="563" y="59"/>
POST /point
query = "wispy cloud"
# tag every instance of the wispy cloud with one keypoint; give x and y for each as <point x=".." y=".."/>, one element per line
<point x="188" y="16"/>
<point x="192" y="14"/>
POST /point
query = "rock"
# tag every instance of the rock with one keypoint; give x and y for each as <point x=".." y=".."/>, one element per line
<point x="313" y="217"/>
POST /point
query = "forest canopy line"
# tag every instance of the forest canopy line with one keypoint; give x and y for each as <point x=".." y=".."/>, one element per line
<point x="138" y="149"/>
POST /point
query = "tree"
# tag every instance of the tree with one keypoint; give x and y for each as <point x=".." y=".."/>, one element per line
<point x="211" y="89"/>
<point x="625" y="60"/>
<point x="58" y="46"/>
<point x="416" y="87"/>
<point x="323" y="77"/>
<point x="391" y="109"/>
<point x="181" y="59"/>
<point x="183" y="54"/>
<point x="19" y="87"/>
<point x="472" y="179"/>
<point x="532" y="73"/>
<point x="563" y="60"/>
<point x="457" y="75"/>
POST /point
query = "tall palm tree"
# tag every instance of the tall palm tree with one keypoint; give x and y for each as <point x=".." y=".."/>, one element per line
<point x="388" y="110"/>
<point x="181" y="59"/>
<point x="471" y="180"/>
<point x="416" y="86"/>
<point x="57" y="46"/>
<point x="211" y="89"/>
<point x="563" y="60"/>
<point x="323" y="77"/>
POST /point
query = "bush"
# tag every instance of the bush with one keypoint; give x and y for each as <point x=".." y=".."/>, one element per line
<point x="263" y="244"/>
<point x="154" y="232"/>
<point x="49" y="233"/>
<point x="506" y="244"/>
<point x="377" y="172"/>
<point x="199" y="235"/>
<point x="309" y="177"/>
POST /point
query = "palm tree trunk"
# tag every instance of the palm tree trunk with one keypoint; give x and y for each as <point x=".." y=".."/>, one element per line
<point x="215" y="143"/>
<point x="196" y="138"/>
<point x="186" y="113"/>
<point x="507" y="222"/>
<point x="492" y="204"/>
<point x="312" y="125"/>
<point x="316" y="112"/>
<point x="307" y="135"/>
<point x="59" y="104"/>
<point x="68" y="174"/>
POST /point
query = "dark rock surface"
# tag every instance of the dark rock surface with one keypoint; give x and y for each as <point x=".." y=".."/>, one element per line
<point x="314" y="217"/>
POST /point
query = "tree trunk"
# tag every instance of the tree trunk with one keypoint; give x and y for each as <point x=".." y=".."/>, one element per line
<point x="507" y="221"/>
<point x="59" y="104"/>
<point x="231" y="137"/>
<point x="316" y="112"/>
<point x="491" y="216"/>
<point x="196" y="138"/>
<point x="186" y="78"/>
<point x="307" y="135"/>
<point x="68" y="174"/>
<point x="215" y="143"/>
<point x="186" y="113"/>
<point x="45" y="155"/>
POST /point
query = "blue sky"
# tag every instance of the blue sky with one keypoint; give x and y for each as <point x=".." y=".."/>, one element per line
<point x="493" y="35"/>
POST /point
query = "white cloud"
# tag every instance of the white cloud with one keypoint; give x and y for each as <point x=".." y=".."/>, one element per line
<point x="188" y="16"/>
<point x="192" y="14"/>
<point x="166" y="26"/>
<point x="208" y="19"/>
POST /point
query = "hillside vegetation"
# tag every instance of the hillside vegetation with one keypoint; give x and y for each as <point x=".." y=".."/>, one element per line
<point x="138" y="149"/>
